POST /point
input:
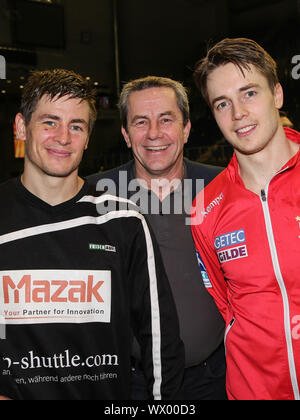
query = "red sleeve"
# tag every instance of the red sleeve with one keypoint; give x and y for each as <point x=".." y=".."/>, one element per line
<point x="211" y="271"/>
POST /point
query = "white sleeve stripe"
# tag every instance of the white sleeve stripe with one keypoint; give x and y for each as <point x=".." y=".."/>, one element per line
<point x="155" y="315"/>
<point x="102" y="198"/>
<point x="65" y="225"/>
<point x="155" y="312"/>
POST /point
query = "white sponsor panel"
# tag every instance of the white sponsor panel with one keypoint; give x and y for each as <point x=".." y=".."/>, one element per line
<point x="55" y="296"/>
<point x="233" y="254"/>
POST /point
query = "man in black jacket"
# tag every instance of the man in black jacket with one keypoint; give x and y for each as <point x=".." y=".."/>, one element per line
<point x="74" y="284"/>
<point x="156" y="126"/>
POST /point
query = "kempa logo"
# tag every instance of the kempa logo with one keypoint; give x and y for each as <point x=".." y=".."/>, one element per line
<point x="212" y="205"/>
<point x="2" y="67"/>
<point x="106" y="248"/>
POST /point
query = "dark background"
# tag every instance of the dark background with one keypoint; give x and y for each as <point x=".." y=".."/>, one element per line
<point x="114" y="41"/>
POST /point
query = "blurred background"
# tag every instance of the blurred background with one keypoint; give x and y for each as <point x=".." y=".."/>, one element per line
<point x="113" y="41"/>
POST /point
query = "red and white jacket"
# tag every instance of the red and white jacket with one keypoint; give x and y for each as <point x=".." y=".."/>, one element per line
<point x="248" y="248"/>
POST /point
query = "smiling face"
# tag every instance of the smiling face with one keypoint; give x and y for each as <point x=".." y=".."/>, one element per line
<point x="245" y="107"/>
<point x="56" y="136"/>
<point x="156" y="133"/>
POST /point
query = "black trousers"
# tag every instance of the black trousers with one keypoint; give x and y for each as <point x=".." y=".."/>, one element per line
<point x="206" y="381"/>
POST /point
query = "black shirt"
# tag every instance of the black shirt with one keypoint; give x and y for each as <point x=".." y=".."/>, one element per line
<point x="73" y="286"/>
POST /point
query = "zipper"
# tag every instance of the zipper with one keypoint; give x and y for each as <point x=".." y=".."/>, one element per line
<point x="280" y="280"/>
<point x="228" y="329"/>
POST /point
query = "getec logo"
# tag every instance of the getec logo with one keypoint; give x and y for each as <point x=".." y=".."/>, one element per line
<point x="230" y="239"/>
<point x="42" y="296"/>
<point x="2" y="67"/>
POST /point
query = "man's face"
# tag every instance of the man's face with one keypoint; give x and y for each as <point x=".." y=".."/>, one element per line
<point x="156" y="132"/>
<point x="245" y="107"/>
<point x="56" y="136"/>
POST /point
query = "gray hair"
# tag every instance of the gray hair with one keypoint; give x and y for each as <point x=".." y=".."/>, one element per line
<point x="152" y="82"/>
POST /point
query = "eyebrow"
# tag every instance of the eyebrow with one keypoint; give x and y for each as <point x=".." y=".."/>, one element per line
<point x="79" y="121"/>
<point x="138" y="117"/>
<point x="49" y="117"/>
<point x="242" y="89"/>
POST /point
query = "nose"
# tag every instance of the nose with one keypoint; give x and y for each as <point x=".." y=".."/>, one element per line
<point x="239" y="111"/>
<point x="154" y="131"/>
<point x="63" y="135"/>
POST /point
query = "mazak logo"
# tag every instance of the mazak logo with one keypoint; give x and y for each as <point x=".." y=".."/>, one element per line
<point x="43" y="291"/>
<point x="212" y="205"/>
<point x="55" y="296"/>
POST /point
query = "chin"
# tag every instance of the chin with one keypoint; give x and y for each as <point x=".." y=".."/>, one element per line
<point x="58" y="173"/>
<point x="158" y="169"/>
<point x="252" y="151"/>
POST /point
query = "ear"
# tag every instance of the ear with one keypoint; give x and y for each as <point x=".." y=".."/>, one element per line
<point x="278" y="96"/>
<point x="20" y="127"/>
<point x="87" y="144"/>
<point x="126" y="137"/>
<point x="187" y="130"/>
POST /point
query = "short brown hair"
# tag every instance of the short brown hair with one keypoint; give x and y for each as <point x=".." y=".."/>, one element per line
<point x="56" y="83"/>
<point x="239" y="51"/>
<point x="152" y="82"/>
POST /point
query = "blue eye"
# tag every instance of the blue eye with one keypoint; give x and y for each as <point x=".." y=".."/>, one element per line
<point x="49" y="123"/>
<point x="141" y="123"/>
<point x="222" y="105"/>
<point x="251" y="93"/>
<point x="166" y="120"/>
<point x="76" y="128"/>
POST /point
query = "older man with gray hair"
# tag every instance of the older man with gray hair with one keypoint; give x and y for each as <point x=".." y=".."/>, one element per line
<point x="156" y="125"/>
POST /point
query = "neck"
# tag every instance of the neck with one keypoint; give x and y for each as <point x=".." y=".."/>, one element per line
<point x="162" y="183"/>
<point x="258" y="169"/>
<point x="52" y="190"/>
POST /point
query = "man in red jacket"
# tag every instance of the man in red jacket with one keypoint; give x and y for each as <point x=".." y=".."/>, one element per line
<point x="248" y="231"/>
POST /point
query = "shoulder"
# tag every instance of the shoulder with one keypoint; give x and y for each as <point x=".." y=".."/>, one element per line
<point x="110" y="206"/>
<point x="112" y="174"/>
<point x="210" y="201"/>
<point x="216" y="187"/>
<point x="8" y="190"/>
<point x="8" y="185"/>
<point x="197" y="170"/>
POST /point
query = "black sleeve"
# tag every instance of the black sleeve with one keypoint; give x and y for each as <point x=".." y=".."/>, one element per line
<point x="154" y="317"/>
